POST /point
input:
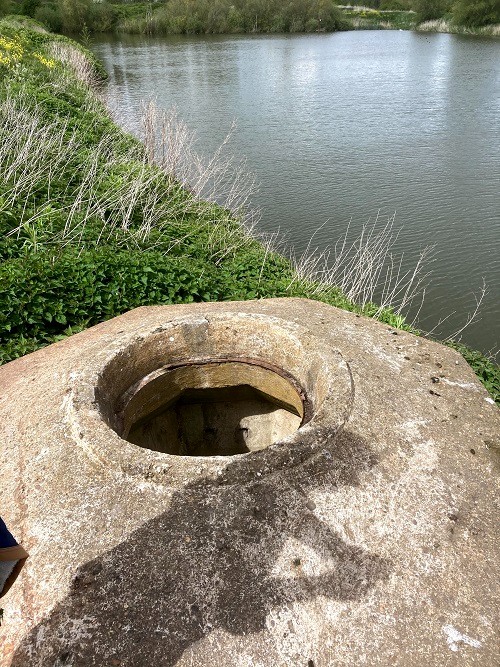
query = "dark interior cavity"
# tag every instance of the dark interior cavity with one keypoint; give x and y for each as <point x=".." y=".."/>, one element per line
<point x="211" y="409"/>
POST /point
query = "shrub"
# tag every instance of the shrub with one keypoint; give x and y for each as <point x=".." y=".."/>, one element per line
<point x="476" y="13"/>
<point x="29" y="7"/>
<point x="50" y="16"/>
<point x="5" y="7"/>
<point x="102" y="17"/>
<point x="428" y="10"/>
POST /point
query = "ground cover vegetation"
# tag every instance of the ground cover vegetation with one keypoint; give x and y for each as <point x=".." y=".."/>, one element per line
<point x="363" y="17"/>
<point x="94" y="222"/>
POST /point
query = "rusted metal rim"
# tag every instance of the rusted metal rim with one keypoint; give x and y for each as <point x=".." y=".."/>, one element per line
<point x="126" y="397"/>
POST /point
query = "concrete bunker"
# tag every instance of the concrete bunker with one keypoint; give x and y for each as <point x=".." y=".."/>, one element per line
<point x="379" y="541"/>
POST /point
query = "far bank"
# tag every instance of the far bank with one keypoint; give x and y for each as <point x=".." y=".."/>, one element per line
<point x="198" y="17"/>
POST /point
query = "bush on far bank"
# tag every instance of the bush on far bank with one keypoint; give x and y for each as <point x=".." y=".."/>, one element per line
<point x="476" y="13"/>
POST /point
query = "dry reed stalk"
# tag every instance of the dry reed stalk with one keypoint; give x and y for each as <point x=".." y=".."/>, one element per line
<point x="77" y="61"/>
<point x="220" y="179"/>
<point x="365" y="269"/>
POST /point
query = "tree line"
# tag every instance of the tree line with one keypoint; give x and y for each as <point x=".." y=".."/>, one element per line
<point x="185" y="16"/>
<point x="234" y="16"/>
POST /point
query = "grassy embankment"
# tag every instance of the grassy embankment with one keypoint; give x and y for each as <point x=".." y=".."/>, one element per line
<point x="92" y="225"/>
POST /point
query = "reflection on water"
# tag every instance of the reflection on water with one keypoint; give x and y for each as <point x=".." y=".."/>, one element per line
<point x="340" y="127"/>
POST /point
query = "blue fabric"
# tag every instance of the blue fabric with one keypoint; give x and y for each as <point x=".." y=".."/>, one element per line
<point x="6" y="539"/>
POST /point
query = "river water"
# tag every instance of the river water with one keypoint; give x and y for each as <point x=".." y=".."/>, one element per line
<point x="339" y="128"/>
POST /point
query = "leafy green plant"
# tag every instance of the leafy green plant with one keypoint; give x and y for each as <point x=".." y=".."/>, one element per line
<point x="486" y="369"/>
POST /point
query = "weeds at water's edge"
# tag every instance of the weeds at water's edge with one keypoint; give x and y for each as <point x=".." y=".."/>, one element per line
<point x="442" y="25"/>
<point x="366" y="270"/>
<point x="485" y="368"/>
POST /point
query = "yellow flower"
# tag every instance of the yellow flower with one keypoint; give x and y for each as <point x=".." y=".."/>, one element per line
<point x="11" y="51"/>
<point x="48" y="62"/>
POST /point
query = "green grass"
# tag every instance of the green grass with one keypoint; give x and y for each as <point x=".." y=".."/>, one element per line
<point x="189" y="16"/>
<point x="91" y="226"/>
<point x="234" y="16"/>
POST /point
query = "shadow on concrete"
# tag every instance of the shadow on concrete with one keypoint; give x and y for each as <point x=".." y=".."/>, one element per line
<point x="204" y="564"/>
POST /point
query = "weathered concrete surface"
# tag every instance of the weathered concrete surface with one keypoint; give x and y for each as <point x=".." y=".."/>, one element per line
<point x="376" y="545"/>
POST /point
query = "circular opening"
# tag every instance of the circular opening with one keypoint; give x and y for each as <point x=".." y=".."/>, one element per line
<point x="211" y="408"/>
<point x="170" y="399"/>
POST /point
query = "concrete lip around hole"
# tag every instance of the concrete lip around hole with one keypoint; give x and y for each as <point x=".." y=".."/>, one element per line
<point x="196" y="391"/>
